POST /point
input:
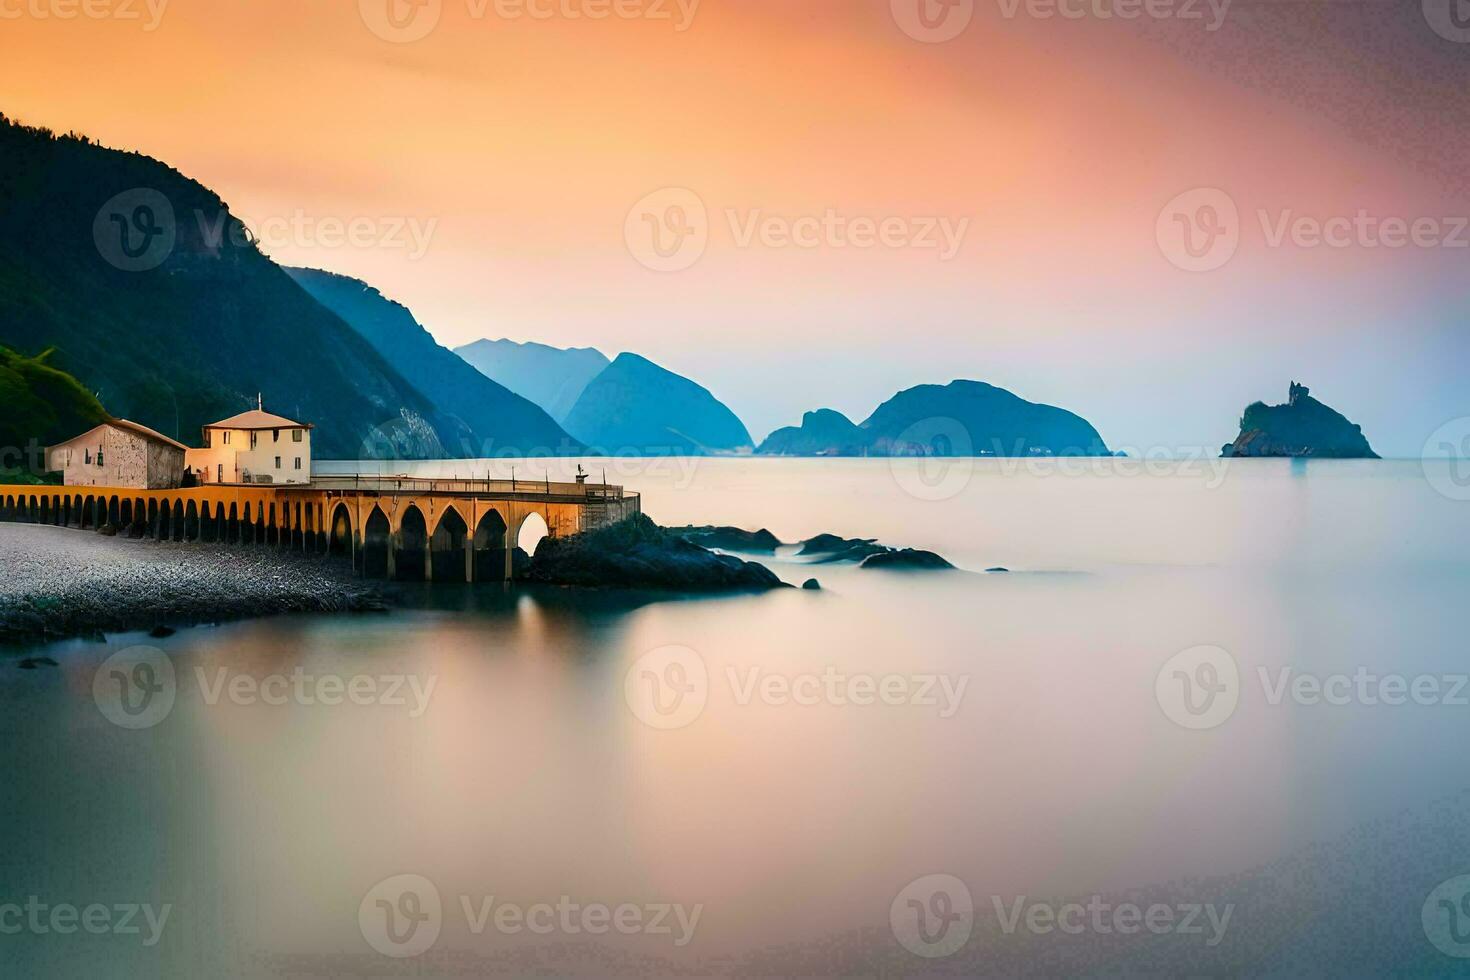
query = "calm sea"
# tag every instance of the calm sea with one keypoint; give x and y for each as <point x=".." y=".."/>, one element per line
<point x="1213" y="719"/>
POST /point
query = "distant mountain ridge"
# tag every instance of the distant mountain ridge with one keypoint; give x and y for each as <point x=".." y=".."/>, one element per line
<point x="962" y="418"/>
<point x="637" y="407"/>
<point x="496" y="416"/>
<point x="552" y="377"/>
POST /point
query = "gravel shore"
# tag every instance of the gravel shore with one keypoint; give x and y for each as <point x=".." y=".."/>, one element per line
<point x="57" y="582"/>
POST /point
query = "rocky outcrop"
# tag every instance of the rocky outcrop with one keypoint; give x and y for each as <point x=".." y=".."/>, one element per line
<point x="963" y="418"/>
<point x="636" y="407"/>
<point x="822" y="433"/>
<point x="638" y="554"/>
<point x="832" y="548"/>
<point x="760" y="542"/>
<point x="907" y="559"/>
<point x="1303" y="427"/>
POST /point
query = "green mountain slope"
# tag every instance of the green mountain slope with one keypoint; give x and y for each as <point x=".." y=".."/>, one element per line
<point x="498" y="417"/>
<point x="156" y="299"/>
<point x="40" y="405"/>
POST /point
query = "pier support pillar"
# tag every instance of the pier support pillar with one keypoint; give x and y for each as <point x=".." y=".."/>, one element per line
<point x="469" y="558"/>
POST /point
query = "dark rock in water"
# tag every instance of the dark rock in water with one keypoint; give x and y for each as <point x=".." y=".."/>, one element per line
<point x="812" y="585"/>
<point x="108" y="530"/>
<point x="822" y="433"/>
<point x="998" y="570"/>
<point x="160" y="631"/>
<point x="638" y="554"/>
<point x="730" y="538"/>
<point x="906" y="558"/>
<point x="520" y="563"/>
<point x="31" y="663"/>
<point x="1302" y="427"/>
<point x="831" y="548"/>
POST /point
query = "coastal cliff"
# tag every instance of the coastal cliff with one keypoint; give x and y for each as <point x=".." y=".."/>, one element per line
<point x="1300" y="428"/>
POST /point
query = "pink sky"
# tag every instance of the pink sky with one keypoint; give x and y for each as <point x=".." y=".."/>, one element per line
<point x="518" y="146"/>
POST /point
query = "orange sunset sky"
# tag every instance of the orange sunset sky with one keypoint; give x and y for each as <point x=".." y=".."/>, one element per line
<point x="520" y="143"/>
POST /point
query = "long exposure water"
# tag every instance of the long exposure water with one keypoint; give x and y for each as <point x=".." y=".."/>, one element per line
<point x="1199" y="686"/>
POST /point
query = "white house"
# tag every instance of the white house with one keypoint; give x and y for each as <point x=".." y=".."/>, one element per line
<point x="119" y="453"/>
<point x="254" y="447"/>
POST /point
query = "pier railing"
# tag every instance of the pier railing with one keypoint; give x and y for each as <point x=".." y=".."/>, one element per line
<point x="592" y="492"/>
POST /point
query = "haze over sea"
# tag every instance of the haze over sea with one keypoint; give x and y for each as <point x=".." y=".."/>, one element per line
<point x="1032" y="747"/>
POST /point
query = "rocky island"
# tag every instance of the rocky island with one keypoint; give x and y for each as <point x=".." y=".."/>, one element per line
<point x="1303" y="427"/>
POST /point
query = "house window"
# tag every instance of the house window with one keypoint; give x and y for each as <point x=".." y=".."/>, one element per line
<point x="298" y="462"/>
<point x="99" y="457"/>
<point x="295" y="435"/>
<point x="253" y="438"/>
<point x="208" y="433"/>
<point x="221" y="477"/>
<point x="226" y="438"/>
<point x="278" y="462"/>
<point x="87" y="456"/>
<point x="275" y="435"/>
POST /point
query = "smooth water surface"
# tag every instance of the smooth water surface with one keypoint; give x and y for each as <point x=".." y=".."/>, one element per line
<point x="542" y="744"/>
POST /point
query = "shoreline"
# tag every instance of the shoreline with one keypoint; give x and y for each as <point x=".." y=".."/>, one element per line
<point x="60" y="583"/>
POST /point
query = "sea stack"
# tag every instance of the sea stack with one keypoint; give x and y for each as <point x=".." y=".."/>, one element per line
<point x="1302" y="427"/>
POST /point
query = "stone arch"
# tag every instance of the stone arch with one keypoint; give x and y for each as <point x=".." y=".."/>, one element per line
<point x="377" y="553"/>
<point x="411" y="551"/>
<point x="165" y="523"/>
<point x="140" y="518"/>
<point x="114" y="511"/>
<point x="76" y="511"/>
<point x="177" y="525"/>
<point x="124" y="515"/>
<point x="450" y="559"/>
<point x="191" y="522"/>
<point x="532" y="529"/>
<point x="339" y="541"/>
<point x="45" y="510"/>
<point x="490" y="537"/>
<point x="272" y="529"/>
<point x="232" y="524"/>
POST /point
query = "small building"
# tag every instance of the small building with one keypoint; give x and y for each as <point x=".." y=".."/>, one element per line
<point x="254" y="447"/>
<point x="119" y="453"/>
